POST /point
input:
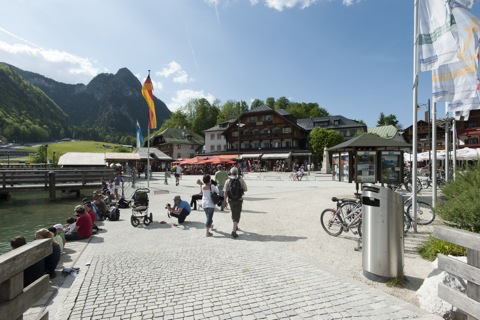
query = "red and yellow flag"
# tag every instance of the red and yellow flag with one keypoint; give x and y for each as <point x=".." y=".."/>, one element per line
<point x="147" y="94"/>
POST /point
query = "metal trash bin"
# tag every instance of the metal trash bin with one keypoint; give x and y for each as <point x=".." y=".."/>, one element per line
<point x="382" y="233"/>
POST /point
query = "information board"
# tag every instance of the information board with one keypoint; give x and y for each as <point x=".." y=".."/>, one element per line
<point x="391" y="166"/>
<point x="366" y="168"/>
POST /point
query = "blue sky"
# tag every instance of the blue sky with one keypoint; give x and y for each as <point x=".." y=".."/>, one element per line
<point x="352" y="57"/>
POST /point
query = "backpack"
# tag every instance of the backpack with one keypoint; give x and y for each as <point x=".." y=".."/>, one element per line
<point x="235" y="190"/>
<point x="114" y="214"/>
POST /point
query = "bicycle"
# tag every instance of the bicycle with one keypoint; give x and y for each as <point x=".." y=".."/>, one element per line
<point x="346" y="216"/>
<point x="425" y="213"/>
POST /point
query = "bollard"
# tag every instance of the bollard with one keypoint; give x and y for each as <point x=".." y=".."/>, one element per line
<point x="51" y="185"/>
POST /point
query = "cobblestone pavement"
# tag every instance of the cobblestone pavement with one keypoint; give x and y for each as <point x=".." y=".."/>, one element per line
<point x="165" y="272"/>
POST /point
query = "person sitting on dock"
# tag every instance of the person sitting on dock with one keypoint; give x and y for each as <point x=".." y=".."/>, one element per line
<point x="83" y="226"/>
<point x="52" y="260"/>
<point x="88" y="208"/>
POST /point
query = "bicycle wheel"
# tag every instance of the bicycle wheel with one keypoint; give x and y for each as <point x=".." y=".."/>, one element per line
<point x="347" y="207"/>
<point x="425" y="213"/>
<point x="409" y="185"/>
<point x="331" y="223"/>
<point x="407" y="222"/>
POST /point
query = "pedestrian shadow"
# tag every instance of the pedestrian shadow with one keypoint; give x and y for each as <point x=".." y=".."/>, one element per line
<point x="252" y="236"/>
<point x="155" y="225"/>
<point x="257" y="199"/>
<point x="253" y="211"/>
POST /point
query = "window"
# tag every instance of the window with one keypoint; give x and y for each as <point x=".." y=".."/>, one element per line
<point x="179" y="146"/>
<point x="192" y="146"/>
<point x="219" y="136"/>
<point x="287" y="144"/>
<point x="192" y="155"/>
<point x="179" y="155"/>
<point x="267" y="118"/>
<point x="252" y="119"/>
<point x="336" y="122"/>
<point x="472" y="124"/>
<point x="286" y="130"/>
<point x="212" y="136"/>
<point x="212" y="148"/>
<point x="219" y="147"/>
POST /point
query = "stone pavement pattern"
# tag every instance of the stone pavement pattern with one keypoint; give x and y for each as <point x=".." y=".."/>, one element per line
<point x="165" y="272"/>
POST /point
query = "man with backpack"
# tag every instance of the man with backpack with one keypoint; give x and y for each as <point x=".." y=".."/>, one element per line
<point x="233" y="192"/>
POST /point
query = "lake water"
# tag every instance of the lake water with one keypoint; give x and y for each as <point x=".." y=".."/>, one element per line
<point x="26" y="212"/>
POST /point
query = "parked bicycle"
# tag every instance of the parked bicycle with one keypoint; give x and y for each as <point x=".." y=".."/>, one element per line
<point x="425" y="213"/>
<point x="345" y="216"/>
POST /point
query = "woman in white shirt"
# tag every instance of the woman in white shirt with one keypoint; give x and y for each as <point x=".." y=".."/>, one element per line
<point x="207" y="203"/>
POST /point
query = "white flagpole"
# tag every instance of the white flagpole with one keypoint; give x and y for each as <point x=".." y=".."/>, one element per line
<point x="148" y="158"/>
<point x="433" y="165"/>
<point x="414" y="108"/>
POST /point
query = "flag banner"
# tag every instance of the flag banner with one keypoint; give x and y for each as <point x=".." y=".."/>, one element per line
<point x="462" y="108"/>
<point x="458" y="80"/>
<point x="139" y="136"/>
<point x="147" y="92"/>
<point x="436" y="42"/>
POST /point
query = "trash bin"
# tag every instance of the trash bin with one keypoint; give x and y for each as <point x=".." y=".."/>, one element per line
<point x="382" y="234"/>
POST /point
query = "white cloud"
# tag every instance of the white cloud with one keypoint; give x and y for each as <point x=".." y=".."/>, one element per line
<point x="282" y="4"/>
<point x="175" y="70"/>
<point x="182" y="97"/>
<point x="350" y="2"/>
<point x="60" y="61"/>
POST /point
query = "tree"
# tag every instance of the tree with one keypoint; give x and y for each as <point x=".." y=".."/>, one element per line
<point x="256" y="103"/>
<point x="321" y="138"/>
<point x="270" y="102"/>
<point x="391" y="119"/>
<point x="204" y="117"/>
<point x="178" y="119"/>
<point x="282" y="103"/>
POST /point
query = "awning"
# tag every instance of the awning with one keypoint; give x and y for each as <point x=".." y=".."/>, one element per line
<point x="301" y="154"/>
<point x="276" y="156"/>
<point x="252" y="155"/>
<point x="121" y="156"/>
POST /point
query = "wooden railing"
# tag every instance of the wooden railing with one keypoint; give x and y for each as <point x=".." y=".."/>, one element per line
<point x="470" y="271"/>
<point x="15" y="300"/>
<point x="15" y="180"/>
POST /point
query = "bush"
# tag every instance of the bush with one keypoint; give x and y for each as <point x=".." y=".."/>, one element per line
<point x="434" y="246"/>
<point x="460" y="207"/>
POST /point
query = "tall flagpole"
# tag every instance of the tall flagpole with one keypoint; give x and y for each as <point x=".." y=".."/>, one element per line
<point x="148" y="149"/>
<point x="414" y="111"/>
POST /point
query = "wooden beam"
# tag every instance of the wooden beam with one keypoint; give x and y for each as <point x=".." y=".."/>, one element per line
<point x="459" y="300"/>
<point x="459" y="269"/>
<point x="14" y="309"/>
<point x="461" y="237"/>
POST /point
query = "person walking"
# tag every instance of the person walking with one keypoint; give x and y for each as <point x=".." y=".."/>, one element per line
<point x="178" y="172"/>
<point x="207" y="203"/>
<point x="233" y="192"/>
<point x="221" y="177"/>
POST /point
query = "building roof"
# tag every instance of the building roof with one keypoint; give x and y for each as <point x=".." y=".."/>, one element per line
<point x="180" y="136"/>
<point x="387" y="132"/>
<point x="222" y="126"/>
<point x="159" y="155"/>
<point x="369" y="141"/>
<point x="121" y="156"/>
<point x="328" y="122"/>
<point x="82" y="159"/>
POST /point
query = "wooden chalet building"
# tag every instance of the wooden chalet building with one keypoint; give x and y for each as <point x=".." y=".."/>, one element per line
<point x="424" y="134"/>
<point x="468" y="131"/>
<point x="178" y="143"/>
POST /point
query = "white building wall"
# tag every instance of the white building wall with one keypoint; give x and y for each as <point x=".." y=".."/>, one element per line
<point x="215" y="141"/>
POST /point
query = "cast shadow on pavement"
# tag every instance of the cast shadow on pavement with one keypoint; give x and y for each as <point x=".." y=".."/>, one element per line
<point x="155" y="225"/>
<point x="252" y="236"/>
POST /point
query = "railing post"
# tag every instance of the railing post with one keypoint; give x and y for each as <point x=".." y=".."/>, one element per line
<point x="51" y="185"/>
<point x="473" y="290"/>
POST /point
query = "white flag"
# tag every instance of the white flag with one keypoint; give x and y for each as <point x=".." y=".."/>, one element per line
<point x="436" y="43"/>
<point x="458" y="80"/>
<point x="139" y="136"/>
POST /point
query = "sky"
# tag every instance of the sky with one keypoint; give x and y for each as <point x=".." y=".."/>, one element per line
<point x="352" y="57"/>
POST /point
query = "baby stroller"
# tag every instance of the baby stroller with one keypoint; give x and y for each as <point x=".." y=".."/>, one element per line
<point x="139" y="205"/>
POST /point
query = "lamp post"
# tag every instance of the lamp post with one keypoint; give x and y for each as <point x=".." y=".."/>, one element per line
<point x="46" y="155"/>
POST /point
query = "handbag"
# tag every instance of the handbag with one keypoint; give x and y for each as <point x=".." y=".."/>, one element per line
<point x="215" y="196"/>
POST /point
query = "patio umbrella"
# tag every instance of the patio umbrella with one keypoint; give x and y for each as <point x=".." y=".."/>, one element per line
<point x="467" y="154"/>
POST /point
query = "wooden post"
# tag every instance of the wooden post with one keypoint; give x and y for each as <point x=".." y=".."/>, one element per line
<point x="473" y="290"/>
<point x="51" y="185"/>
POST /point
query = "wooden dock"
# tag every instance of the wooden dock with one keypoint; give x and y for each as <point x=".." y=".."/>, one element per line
<point x="66" y="180"/>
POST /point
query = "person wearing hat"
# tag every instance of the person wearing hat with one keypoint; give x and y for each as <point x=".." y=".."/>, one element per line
<point x="181" y="209"/>
<point x="59" y="231"/>
<point x="83" y="226"/>
<point x="196" y="196"/>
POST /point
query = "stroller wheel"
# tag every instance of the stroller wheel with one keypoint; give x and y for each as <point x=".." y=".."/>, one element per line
<point x="147" y="221"/>
<point x="135" y="222"/>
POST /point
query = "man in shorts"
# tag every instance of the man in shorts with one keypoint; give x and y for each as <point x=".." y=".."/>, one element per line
<point x="235" y="204"/>
<point x="178" y="172"/>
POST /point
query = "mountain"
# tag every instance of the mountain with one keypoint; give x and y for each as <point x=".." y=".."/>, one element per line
<point x="27" y="113"/>
<point x="105" y="109"/>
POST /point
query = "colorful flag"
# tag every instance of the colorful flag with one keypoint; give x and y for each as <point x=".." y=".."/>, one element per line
<point x="139" y="136"/>
<point x="457" y="81"/>
<point x="147" y="93"/>
<point x="436" y="42"/>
